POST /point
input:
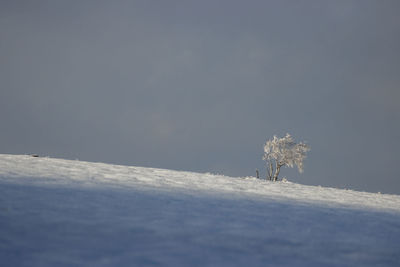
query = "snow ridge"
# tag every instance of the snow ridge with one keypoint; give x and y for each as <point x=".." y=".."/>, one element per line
<point x="47" y="171"/>
<point x="56" y="212"/>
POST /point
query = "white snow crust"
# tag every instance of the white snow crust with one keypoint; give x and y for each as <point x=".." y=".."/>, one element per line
<point x="56" y="212"/>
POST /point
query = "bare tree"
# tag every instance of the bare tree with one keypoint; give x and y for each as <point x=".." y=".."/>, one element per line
<point x="279" y="152"/>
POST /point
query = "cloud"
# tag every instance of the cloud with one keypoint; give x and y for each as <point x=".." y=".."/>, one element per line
<point x="201" y="85"/>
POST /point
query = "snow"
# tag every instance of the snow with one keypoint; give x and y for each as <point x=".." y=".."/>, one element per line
<point x="56" y="212"/>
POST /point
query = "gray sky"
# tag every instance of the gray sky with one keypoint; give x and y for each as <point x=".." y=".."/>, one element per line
<point x="201" y="85"/>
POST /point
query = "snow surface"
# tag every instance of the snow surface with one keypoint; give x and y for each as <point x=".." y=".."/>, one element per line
<point x="56" y="212"/>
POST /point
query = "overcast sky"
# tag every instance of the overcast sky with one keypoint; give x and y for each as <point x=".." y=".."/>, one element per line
<point x="201" y="85"/>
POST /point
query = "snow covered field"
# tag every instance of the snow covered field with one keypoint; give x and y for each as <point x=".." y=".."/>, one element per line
<point x="56" y="212"/>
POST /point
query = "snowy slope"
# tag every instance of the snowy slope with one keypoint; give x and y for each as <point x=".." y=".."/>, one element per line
<point x="56" y="212"/>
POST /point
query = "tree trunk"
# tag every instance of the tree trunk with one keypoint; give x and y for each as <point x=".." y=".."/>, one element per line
<point x="270" y="171"/>
<point x="277" y="170"/>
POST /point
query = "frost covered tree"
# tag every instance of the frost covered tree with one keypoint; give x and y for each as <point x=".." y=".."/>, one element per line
<point x="279" y="152"/>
